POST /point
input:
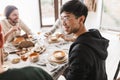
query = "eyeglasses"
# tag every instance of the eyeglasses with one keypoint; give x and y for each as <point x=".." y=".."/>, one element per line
<point x="66" y="18"/>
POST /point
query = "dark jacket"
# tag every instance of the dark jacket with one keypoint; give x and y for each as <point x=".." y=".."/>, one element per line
<point x="26" y="73"/>
<point x="87" y="57"/>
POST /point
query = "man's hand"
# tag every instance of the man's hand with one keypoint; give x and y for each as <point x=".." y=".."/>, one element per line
<point x="47" y="34"/>
<point x="13" y="29"/>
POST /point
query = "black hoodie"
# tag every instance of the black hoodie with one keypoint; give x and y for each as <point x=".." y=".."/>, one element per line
<point x="87" y="57"/>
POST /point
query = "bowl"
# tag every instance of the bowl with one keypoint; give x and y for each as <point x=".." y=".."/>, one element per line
<point x="59" y="55"/>
<point x="16" y="60"/>
<point x="34" y="57"/>
<point x="24" y="57"/>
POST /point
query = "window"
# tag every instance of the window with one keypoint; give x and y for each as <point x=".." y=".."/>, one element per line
<point x="49" y="11"/>
<point x="110" y="14"/>
<point x="46" y="12"/>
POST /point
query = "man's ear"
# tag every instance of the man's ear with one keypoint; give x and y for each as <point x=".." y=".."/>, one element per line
<point x="81" y="19"/>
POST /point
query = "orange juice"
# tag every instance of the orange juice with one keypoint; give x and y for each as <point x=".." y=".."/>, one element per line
<point x="24" y="58"/>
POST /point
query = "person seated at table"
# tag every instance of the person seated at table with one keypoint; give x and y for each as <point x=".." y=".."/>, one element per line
<point x="12" y="24"/>
<point x="62" y="33"/>
<point x="88" y="53"/>
<point x="25" y="73"/>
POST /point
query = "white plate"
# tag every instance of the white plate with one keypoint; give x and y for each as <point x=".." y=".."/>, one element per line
<point x="53" y="59"/>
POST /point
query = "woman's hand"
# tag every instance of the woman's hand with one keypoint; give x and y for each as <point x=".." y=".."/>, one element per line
<point x="47" y="34"/>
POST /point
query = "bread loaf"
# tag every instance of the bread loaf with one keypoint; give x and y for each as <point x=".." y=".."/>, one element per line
<point x="26" y="44"/>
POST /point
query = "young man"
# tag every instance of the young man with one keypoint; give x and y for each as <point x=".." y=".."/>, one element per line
<point x="12" y="25"/>
<point x="26" y="73"/>
<point x="88" y="53"/>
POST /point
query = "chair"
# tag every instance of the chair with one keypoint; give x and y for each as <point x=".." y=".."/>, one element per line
<point x="117" y="72"/>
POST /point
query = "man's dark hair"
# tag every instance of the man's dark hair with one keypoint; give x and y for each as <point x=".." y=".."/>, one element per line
<point x="75" y="7"/>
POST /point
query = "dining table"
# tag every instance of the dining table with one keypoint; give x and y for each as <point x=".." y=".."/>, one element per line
<point x="55" y="69"/>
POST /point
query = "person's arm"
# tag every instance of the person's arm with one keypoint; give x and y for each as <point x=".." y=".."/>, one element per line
<point x="7" y="29"/>
<point x="54" y="28"/>
<point x="13" y="29"/>
<point x="80" y="65"/>
<point x="24" y="27"/>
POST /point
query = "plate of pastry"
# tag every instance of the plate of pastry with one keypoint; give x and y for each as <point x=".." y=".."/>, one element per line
<point x="54" y="39"/>
<point x="17" y="40"/>
<point x="15" y="60"/>
<point x="26" y="44"/>
<point x="39" y="49"/>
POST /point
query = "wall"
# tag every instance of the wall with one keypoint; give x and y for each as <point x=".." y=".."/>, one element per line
<point x="94" y="18"/>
